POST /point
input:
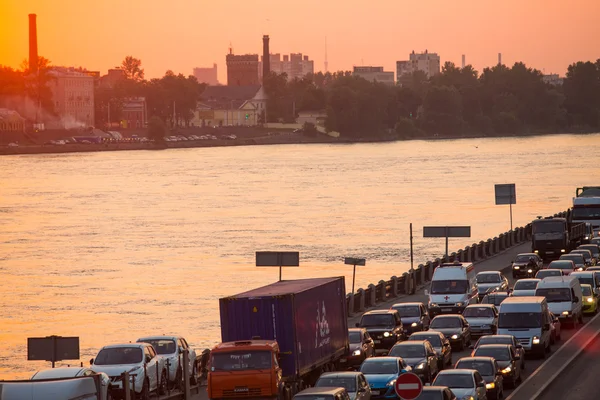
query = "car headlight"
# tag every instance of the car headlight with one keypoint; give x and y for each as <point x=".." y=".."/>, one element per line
<point x="507" y="370"/>
<point x="490" y="385"/>
<point x="414" y="324"/>
<point x="459" y="304"/>
<point x="590" y="299"/>
<point x="356" y="353"/>
<point x="536" y="340"/>
<point x="386" y="334"/>
<point x="530" y="270"/>
<point x="420" y="366"/>
<point x="565" y="313"/>
<point x="516" y="267"/>
<point x="562" y="250"/>
<point x="536" y="251"/>
<point x="391" y="383"/>
<point x="580" y="269"/>
<point x="454" y="337"/>
<point x="432" y="305"/>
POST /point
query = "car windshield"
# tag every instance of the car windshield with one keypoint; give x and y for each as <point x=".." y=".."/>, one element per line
<point x="348" y="383"/>
<point x="493" y="339"/>
<point x="119" y="355"/>
<point x="576" y="258"/>
<point x="546" y="273"/>
<point x="377" y="320"/>
<point x="488" y="278"/>
<point x="584" y="280"/>
<point x="355" y="337"/>
<point x="560" y="265"/>
<point x="408" y="311"/>
<point x="445" y="322"/>
<point x="554" y="295"/>
<point x="586" y="212"/>
<point x="408" y="351"/>
<point x="433" y="339"/>
<point x="241" y="360"/>
<point x="541" y="226"/>
<point x="499" y="353"/>
<point x="591" y="247"/>
<point x="449" y="287"/>
<point x="584" y="254"/>
<point x="525" y="285"/>
<point x="478" y="312"/>
<point x="519" y="320"/>
<point x="494" y="298"/>
<point x="455" y="381"/>
<point x="586" y="290"/>
<point x="485" y="368"/>
<point x="375" y="367"/>
<point x="161" y="346"/>
<point x="523" y="258"/>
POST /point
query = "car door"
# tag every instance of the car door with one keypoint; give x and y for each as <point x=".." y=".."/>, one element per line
<point x="480" y="386"/>
<point x="151" y="365"/>
<point x="431" y="359"/>
<point x="517" y="359"/>
<point x="368" y="344"/>
<point x="191" y="354"/>
<point x="466" y="329"/>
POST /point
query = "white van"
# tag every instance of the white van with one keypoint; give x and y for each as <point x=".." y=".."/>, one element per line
<point x="592" y="278"/>
<point x="564" y="297"/>
<point x="528" y="320"/>
<point x="453" y="287"/>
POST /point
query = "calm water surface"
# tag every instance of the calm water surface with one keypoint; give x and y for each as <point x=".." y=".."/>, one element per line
<point x="113" y="246"/>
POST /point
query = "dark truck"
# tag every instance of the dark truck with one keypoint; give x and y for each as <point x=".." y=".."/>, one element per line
<point x="277" y="339"/>
<point x="552" y="237"/>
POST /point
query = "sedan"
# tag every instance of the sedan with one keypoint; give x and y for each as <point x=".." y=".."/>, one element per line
<point x="489" y="370"/>
<point x="522" y="265"/>
<point x="74" y="372"/>
<point x="464" y="383"/>
<point x="590" y="261"/>
<point x="525" y="287"/>
<point x="544" y="273"/>
<point x="440" y="344"/>
<point x="381" y="374"/>
<point x="490" y="281"/>
<point x="502" y="339"/>
<point x="436" y="393"/>
<point x="420" y="356"/>
<point x="361" y="347"/>
<point x="566" y="266"/>
<point x="355" y="383"/>
<point x="507" y="358"/>
<point x="578" y="259"/>
<point x="455" y="327"/>
<point x="483" y="319"/>
<point x="415" y="317"/>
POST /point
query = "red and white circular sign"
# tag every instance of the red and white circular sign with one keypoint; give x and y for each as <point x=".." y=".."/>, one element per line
<point x="408" y="386"/>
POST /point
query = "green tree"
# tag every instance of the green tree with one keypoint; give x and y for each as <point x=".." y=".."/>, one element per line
<point x="156" y="129"/>
<point x="442" y="111"/>
<point x="582" y="94"/>
<point x="132" y="68"/>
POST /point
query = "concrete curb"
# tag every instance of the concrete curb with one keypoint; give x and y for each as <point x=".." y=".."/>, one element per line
<point x="521" y="392"/>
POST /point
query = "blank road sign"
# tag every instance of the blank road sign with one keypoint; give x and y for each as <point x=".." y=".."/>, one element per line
<point x="446" y="231"/>
<point x="506" y="194"/>
<point x="277" y="258"/>
<point x="354" y="261"/>
<point x="42" y="349"/>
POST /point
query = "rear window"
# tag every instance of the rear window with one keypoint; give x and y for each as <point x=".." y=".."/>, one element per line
<point x="526" y="285"/>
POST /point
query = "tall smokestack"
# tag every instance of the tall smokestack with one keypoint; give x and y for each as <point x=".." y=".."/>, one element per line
<point x="463" y="60"/>
<point x="266" y="56"/>
<point x="499" y="58"/>
<point x="33" y="47"/>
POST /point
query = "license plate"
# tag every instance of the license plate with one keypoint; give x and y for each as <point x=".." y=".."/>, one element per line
<point x="375" y="392"/>
<point x="550" y="252"/>
<point x="446" y="309"/>
<point x="342" y="360"/>
<point x="376" y="341"/>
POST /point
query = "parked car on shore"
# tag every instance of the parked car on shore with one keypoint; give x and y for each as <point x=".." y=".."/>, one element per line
<point x="170" y="348"/>
<point x="75" y="372"/>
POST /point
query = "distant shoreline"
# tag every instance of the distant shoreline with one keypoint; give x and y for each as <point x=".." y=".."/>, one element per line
<point x="295" y="138"/>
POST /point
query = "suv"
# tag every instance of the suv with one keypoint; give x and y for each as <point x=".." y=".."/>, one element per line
<point x="170" y="348"/>
<point x="384" y="326"/>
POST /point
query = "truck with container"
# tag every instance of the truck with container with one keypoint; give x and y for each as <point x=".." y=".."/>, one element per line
<point x="586" y="208"/>
<point x="553" y="236"/>
<point x="278" y="339"/>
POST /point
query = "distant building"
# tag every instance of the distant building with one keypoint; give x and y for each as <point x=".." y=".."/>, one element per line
<point x="73" y="97"/>
<point x="426" y="62"/>
<point x="553" y="79"/>
<point x="375" y="74"/>
<point x="133" y="113"/>
<point x="242" y="70"/>
<point x="315" y="117"/>
<point x="11" y="121"/>
<point x="207" y="75"/>
<point x="230" y="105"/>
<point x="113" y="77"/>
<point x="295" y="65"/>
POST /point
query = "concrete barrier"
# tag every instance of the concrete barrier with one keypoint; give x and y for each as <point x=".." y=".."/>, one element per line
<point x="409" y="281"/>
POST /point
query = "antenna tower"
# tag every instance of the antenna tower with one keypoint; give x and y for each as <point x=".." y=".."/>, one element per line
<point x="326" y="63"/>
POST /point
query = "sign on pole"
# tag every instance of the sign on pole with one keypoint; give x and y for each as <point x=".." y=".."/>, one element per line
<point x="355" y="262"/>
<point x="53" y="348"/>
<point x="506" y="194"/>
<point x="278" y="259"/>
<point x="446" y="231"/>
<point x="408" y="386"/>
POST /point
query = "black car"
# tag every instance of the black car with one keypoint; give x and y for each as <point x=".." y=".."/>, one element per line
<point x="503" y="339"/>
<point x="361" y="347"/>
<point x="455" y="327"/>
<point x="420" y="356"/>
<point x="507" y="358"/>
<point x="440" y="344"/>
<point x="415" y="317"/>
<point x="384" y="326"/>
<point x="490" y="371"/>
<point x="526" y="265"/>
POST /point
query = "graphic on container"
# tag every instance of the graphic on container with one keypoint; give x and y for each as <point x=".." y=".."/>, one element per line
<point x="322" y="327"/>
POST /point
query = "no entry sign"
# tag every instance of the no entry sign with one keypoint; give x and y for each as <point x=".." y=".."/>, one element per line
<point x="408" y="386"/>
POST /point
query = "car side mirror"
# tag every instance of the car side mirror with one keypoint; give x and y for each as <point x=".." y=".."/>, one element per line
<point x="575" y="299"/>
<point x="91" y="361"/>
<point x="357" y="325"/>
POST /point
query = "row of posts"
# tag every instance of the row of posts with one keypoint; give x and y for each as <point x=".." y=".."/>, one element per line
<point x="408" y="282"/>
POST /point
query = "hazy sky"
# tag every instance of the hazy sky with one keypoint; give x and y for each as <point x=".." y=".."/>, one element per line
<point x="182" y="34"/>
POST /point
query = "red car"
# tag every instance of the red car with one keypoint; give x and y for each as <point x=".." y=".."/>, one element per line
<point x="566" y="266"/>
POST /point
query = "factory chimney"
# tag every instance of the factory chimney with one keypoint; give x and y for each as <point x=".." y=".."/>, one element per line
<point x="463" y="60"/>
<point x="266" y="56"/>
<point x="33" y="47"/>
<point x="499" y="58"/>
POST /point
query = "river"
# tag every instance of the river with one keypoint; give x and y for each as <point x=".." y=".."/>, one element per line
<point x="111" y="246"/>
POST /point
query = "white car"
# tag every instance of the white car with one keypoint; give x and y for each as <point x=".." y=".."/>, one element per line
<point x="75" y="372"/>
<point x="490" y="281"/>
<point x="525" y="287"/>
<point x="170" y="348"/>
<point x="142" y="363"/>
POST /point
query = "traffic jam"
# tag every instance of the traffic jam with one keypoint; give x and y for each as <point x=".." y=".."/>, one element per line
<point x="475" y="335"/>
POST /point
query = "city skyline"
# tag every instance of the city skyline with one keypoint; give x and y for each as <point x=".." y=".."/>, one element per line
<point x="541" y="34"/>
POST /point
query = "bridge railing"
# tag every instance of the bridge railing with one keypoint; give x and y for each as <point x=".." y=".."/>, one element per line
<point x="409" y="281"/>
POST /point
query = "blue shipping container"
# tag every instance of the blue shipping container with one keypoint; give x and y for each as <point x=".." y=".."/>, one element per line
<point x="306" y="317"/>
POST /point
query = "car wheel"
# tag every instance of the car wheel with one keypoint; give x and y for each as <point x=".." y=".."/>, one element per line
<point x="162" y="385"/>
<point x="194" y="377"/>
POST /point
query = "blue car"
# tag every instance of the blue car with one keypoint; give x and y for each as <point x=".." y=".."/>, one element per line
<point x="381" y="374"/>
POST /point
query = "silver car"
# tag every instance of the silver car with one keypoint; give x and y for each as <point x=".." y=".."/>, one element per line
<point x="355" y="383"/>
<point x="75" y="372"/>
<point x="483" y="319"/>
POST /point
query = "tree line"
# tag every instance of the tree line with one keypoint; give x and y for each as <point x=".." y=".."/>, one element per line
<point x="455" y="102"/>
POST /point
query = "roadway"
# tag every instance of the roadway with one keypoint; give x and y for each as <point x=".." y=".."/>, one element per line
<point x="500" y="262"/>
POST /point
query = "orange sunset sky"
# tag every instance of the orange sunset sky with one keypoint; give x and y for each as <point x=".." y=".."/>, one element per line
<point x="182" y="34"/>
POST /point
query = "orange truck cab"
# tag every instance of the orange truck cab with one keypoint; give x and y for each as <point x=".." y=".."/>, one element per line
<point x="248" y="369"/>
